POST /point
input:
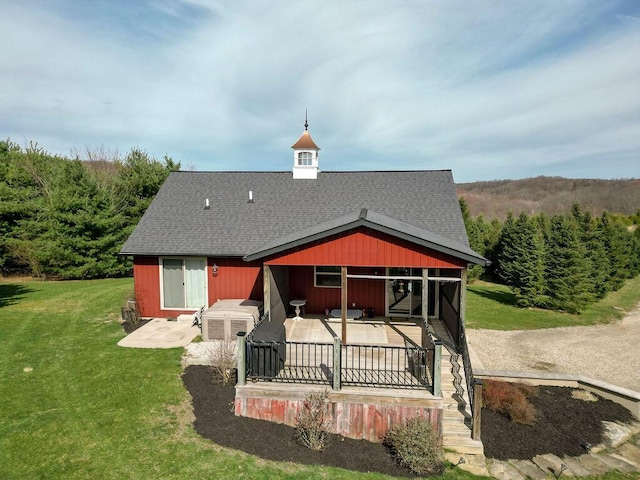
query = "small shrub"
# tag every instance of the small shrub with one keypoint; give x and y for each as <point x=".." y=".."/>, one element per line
<point x="511" y="400"/>
<point x="222" y="360"/>
<point x="314" y="422"/>
<point x="416" y="446"/>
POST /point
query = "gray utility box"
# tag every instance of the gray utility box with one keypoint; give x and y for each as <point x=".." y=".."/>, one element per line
<point x="225" y="318"/>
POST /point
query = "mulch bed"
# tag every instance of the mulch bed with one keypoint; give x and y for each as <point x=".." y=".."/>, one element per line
<point x="564" y="425"/>
<point x="215" y="420"/>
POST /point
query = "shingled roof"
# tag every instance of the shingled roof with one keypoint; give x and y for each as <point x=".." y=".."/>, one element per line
<point x="420" y="204"/>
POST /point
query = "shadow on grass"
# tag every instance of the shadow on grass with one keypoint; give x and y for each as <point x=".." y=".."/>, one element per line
<point x="12" y="293"/>
<point x="504" y="297"/>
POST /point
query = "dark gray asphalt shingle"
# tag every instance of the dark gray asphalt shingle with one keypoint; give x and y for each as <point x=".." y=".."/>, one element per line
<point x="177" y="223"/>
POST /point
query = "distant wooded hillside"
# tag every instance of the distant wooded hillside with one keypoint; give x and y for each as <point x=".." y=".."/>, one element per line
<point x="550" y="195"/>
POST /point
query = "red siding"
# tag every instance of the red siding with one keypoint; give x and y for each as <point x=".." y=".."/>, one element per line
<point x="236" y="279"/>
<point x="363" y="250"/>
<point x="146" y="278"/>
<point x="364" y="293"/>
<point x="368" y="248"/>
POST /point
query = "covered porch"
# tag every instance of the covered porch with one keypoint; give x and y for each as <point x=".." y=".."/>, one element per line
<point x="354" y="310"/>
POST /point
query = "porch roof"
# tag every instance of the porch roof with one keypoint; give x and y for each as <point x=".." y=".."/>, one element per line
<point x="375" y="221"/>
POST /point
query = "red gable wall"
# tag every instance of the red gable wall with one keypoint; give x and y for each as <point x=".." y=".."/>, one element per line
<point x="367" y="248"/>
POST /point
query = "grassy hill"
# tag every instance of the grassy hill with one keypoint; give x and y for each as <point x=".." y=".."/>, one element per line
<point x="551" y="195"/>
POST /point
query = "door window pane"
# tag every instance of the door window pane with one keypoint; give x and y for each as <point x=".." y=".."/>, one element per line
<point x="194" y="280"/>
<point x="172" y="283"/>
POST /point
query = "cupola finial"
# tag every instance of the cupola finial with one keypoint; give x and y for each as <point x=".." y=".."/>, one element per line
<point x="306" y="124"/>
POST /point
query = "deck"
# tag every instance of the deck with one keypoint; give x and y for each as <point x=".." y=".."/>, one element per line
<point x="383" y="331"/>
<point x="384" y="375"/>
<point x="380" y="352"/>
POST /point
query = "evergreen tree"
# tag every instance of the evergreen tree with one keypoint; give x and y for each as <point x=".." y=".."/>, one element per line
<point x="619" y="248"/>
<point x="529" y="274"/>
<point x="521" y="260"/>
<point x="598" y="261"/>
<point x="568" y="285"/>
<point x="141" y="176"/>
<point x="492" y="234"/>
<point x="507" y="251"/>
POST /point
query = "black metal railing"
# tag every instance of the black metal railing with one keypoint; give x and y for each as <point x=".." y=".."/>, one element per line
<point x="466" y="362"/>
<point x="294" y="362"/>
<point x="384" y="366"/>
<point x="474" y="387"/>
<point x="361" y="365"/>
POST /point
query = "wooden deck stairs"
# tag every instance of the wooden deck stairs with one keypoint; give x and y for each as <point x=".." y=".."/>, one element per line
<point x="457" y="412"/>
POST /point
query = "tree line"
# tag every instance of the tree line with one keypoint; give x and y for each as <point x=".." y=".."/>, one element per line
<point x="560" y="262"/>
<point x="67" y="218"/>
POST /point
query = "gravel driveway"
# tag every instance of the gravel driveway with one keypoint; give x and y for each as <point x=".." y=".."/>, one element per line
<point x="607" y="352"/>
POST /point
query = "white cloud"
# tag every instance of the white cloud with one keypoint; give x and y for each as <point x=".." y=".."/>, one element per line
<point x="481" y="87"/>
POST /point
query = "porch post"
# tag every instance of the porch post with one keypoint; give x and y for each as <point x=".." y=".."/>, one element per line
<point x="337" y="363"/>
<point x="477" y="409"/>
<point x="343" y="304"/>
<point x="436" y="303"/>
<point x="425" y="296"/>
<point x="437" y="368"/>
<point x="266" y="290"/>
<point x="462" y="314"/>
<point x="242" y="359"/>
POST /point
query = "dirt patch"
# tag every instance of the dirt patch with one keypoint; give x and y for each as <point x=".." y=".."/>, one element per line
<point x="605" y="352"/>
<point x="564" y="425"/>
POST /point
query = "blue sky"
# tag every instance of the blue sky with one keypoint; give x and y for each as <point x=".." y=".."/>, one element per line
<point x="489" y="89"/>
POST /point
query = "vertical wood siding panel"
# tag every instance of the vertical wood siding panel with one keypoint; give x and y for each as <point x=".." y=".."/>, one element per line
<point x="236" y="279"/>
<point x="366" y="247"/>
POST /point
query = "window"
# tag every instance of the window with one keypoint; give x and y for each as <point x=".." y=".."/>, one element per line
<point x="183" y="282"/>
<point x="305" y="158"/>
<point x="329" y="277"/>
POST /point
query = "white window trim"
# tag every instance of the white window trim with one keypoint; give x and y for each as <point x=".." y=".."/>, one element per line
<point x="206" y="281"/>
<point x="336" y="274"/>
<point x="305" y="158"/>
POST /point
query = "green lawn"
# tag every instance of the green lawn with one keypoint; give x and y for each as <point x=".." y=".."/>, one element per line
<point x="91" y="409"/>
<point x="490" y="305"/>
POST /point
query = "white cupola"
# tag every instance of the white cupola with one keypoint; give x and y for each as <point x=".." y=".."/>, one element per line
<point x="305" y="156"/>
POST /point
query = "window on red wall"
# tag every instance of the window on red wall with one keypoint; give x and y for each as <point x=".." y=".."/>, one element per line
<point x="327" y="277"/>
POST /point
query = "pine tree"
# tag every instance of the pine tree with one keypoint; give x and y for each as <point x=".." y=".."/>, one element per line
<point x="506" y="253"/>
<point x="529" y="270"/>
<point x="598" y="260"/>
<point x="568" y="285"/>
<point x="492" y="234"/>
<point x="521" y="260"/>
<point x="619" y="248"/>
